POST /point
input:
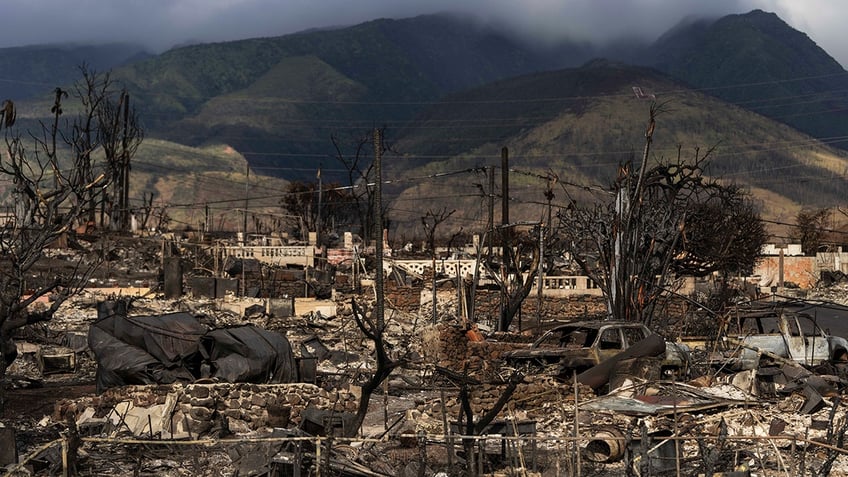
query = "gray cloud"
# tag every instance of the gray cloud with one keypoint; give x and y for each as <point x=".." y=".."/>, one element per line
<point x="160" y="24"/>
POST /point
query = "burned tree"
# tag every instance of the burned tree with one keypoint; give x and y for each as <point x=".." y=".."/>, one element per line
<point x="120" y="134"/>
<point x="811" y="229"/>
<point x="335" y="209"/>
<point x="656" y="223"/>
<point x="359" y="168"/>
<point x="374" y="328"/>
<point x="431" y="221"/>
<point x="105" y="130"/>
<point x="517" y="276"/>
<point x="53" y="184"/>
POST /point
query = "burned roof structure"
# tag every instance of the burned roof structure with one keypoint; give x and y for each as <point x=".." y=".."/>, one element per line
<point x="176" y="347"/>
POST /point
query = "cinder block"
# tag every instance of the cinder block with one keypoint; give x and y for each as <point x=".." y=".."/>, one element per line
<point x="54" y="361"/>
<point x="8" y="449"/>
<point x="203" y="287"/>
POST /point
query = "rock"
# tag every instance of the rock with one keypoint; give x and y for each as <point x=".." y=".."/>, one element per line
<point x="205" y="402"/>
<point x="199" y="391"/>
<point x="200" y="413"/>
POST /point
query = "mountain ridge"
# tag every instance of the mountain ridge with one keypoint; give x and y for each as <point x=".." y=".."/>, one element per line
<point x="448" y="90"/>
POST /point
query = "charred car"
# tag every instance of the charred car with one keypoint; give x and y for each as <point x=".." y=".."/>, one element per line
<point x="749" y="338"/>
<point x="581" y="345"/>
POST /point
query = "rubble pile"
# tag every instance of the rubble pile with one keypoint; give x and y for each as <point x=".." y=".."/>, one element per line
<point x="448" y="346"/>
<point x="766" y="416"/>
<point x="181" y="411"/>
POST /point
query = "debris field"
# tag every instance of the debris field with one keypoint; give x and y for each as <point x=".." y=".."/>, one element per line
<point x="234" y="385"/>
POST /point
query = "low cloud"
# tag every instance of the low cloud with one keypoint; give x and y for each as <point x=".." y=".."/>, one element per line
<point x="161" y="24"/>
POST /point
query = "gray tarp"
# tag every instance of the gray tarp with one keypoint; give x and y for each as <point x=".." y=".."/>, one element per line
<point x="176" y="347"/>
<point x="249" y="354"/>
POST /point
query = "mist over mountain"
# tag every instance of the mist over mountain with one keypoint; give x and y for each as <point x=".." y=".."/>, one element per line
<point x="451" y="91"/>
<point x="760" y="63"/>
<point x="29" y="71"/>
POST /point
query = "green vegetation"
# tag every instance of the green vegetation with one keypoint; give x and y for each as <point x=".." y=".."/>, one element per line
<point x="451" y="94"/>
<point x="760" y="63"/>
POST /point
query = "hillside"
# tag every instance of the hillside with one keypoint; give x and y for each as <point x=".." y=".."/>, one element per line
<point x="30" y="71"/>
<point x="451" y="93"/>
<point x="285" y="96"/>
<point x="187" y="182"/>
<point x="579" y="124"/>
<point x="280" y="100"/>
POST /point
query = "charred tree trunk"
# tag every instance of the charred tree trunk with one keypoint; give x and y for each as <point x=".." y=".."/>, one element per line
<point x="472" y="428"/>
<point x="8" y="352"/>
<point x="516" y="293"/>
<point x="385" y="365"/>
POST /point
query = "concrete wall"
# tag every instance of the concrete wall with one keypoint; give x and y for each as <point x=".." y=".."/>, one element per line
<point x="282" y="255"/>
<point x="802" y="271"/>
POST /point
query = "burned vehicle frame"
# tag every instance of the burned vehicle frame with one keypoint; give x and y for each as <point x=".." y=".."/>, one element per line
<point x="581" y="345"/>
<point x="750" y="337"/>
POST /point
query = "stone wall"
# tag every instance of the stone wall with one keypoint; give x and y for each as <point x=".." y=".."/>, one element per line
<point x="402" y="297"/>
<point x="532" y="396"/>
<point x="194" y="409"/>
<point x="447" y="346"/>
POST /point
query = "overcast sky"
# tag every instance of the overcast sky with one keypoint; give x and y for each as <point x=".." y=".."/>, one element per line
<point x="160" y="24"/>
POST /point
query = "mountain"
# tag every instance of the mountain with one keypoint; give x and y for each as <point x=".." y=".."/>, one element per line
<point x="757" y="61"/>
<point x="31" y="71"/>
<point x="579" y="124"/>
<point x="193" y="182"/>
<point x="282" y="101"/>
<point x="279" y="100"/>
<point x="451" y="93"/>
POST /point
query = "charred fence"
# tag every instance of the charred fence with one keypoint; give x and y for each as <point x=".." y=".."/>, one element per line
<point x="513" y="449"/>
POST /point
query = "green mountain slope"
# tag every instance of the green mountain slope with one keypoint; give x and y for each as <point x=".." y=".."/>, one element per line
<point x="288" y="94"/>
<point x="34" y="70"/>
<point x="759" y="62"/>
<point x="580" y="124"/>
<point x="451" y="94"/>
<point x="280" y="100"/>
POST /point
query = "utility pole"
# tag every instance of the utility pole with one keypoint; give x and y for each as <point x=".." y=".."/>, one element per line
<point x="491" y="225"/>
<point x="246" y="192"/>
<point x="544" y="231"/>
<point x="505" y="236"/>
<point x="318" y="225"/>
<point x="540" y="271"/>
<point x="378" y="245"/>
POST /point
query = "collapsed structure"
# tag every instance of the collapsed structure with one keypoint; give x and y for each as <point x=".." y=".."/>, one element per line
<point x="193" y="383"/>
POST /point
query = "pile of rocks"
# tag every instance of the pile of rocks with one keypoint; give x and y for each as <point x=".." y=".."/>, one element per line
<point x="449" y="346"/>
<point x="532" y="397"/>
<point x="192" y="410"/>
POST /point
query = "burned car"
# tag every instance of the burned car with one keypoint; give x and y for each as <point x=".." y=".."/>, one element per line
<point x="581" y="345"/>
<point x="767" y="335"/>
